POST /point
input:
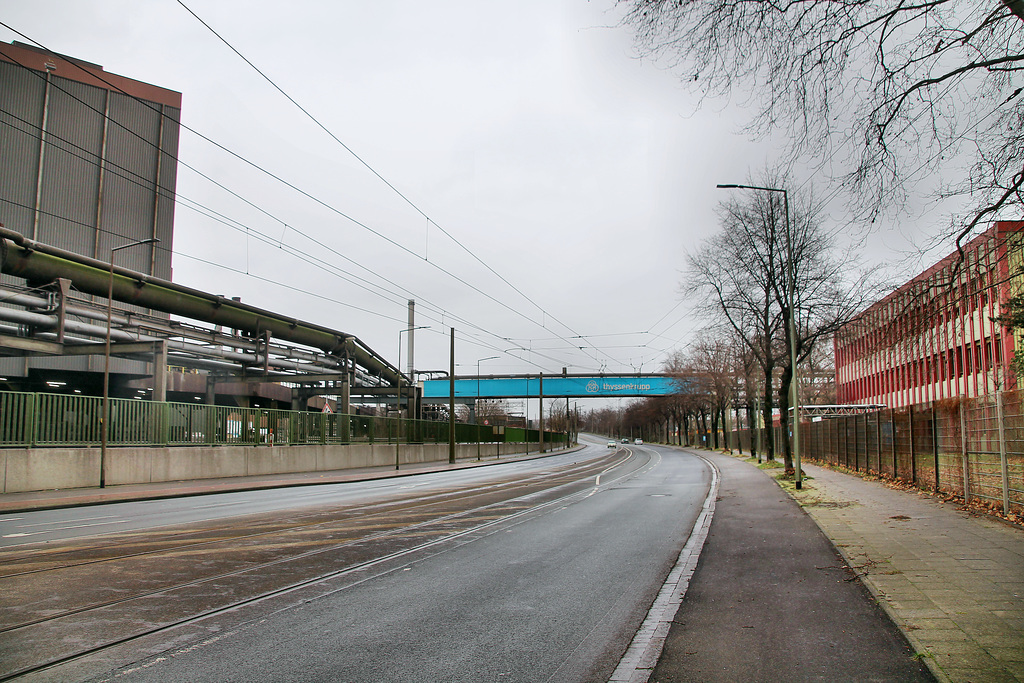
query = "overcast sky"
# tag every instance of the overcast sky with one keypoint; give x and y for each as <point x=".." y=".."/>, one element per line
<point x="571" y="176"/>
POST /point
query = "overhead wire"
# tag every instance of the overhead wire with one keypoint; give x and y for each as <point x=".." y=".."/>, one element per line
<point x="321" y="202"/>
<point x="284" y="182"/>
<point x="210" y="213"/>
<point x="374" y="171"/>
<point x="277" y="178"/>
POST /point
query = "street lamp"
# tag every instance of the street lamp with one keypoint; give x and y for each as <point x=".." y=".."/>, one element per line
<point x="480" y="360"/>
<point x="476" y="410"/>
<point x="105" y="426"/>
<point x="398" y="400"/>
<point x="790" y="295"/>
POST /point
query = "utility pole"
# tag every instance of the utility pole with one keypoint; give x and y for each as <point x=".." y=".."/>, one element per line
<point x="451" y="403"/>
<point x="540" y="392"/>
<point x="794" y="387"/>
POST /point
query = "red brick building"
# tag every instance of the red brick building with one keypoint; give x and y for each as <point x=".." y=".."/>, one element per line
<point x="935" y="337"/>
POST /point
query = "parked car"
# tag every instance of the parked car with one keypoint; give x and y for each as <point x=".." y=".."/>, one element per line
<point x="638" y="442"/>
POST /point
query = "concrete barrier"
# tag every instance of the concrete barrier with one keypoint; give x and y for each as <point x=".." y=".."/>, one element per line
<point x="41" y="469"/>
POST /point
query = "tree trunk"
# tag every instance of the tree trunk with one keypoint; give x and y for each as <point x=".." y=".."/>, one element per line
<point x="784" y="421"/>
<point x="752" y="428"/>
<point x="767" y="403"/>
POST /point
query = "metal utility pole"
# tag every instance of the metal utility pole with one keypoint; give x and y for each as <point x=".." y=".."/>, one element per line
<point x="451" y="403"/>
<point x="398" y="399"/>
<point x="790" y="298"/>
<point x="411" y="326"/>
<point x="105" y="430"/>
<point x="540" y="392"/>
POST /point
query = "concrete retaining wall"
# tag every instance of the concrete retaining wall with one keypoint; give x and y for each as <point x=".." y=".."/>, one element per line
<point x="41" y="469"/>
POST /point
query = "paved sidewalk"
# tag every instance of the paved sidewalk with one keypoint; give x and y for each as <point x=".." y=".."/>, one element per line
<point x="771" y="600"/>
<point x="952" y="581"/>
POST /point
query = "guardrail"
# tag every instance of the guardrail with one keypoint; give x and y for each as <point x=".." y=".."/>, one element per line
<point x="50" y="420"/>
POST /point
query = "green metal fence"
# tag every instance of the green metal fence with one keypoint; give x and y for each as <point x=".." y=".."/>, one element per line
<point x="28" y="419"/>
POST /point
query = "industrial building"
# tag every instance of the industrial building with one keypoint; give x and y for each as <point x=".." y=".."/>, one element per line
<point x="89" y="164"/>
<point x="87" y="198"/>
<point x="937" y="336"/>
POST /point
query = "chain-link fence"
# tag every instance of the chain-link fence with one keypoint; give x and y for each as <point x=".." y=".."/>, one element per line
<point x="931" y="446"/>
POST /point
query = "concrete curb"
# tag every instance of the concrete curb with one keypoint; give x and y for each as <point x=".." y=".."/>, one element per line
<point x="643" y="652"/>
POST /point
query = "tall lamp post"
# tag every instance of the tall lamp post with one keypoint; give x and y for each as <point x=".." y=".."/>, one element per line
<point x="398" y="400"/>
<point x="105" y="426"/>
<point x="790" y="296"/>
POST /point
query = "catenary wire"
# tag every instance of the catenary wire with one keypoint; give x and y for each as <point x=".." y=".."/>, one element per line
<point x="214" y="215"/>
<point x="297" y="189"/>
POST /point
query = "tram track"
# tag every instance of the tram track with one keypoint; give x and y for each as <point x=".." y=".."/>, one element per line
<point x="11" y="559"/>
<point x="326" y="550"/>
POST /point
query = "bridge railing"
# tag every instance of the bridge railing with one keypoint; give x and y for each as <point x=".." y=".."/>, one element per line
<point x="51" y="420"/>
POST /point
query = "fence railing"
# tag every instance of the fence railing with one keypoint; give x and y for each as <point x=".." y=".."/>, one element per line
<point x="970" y="447"/>
<point x="50" y="420"/>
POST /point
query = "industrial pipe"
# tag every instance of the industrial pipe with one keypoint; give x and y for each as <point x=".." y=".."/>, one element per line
<point x="38" y="262"/>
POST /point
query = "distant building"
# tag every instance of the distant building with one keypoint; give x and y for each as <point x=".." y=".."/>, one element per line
<point x="89" y="163"/>
<point x="935" y="337"/>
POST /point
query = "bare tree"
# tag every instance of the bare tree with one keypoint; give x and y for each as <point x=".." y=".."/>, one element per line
<point x="712" y="364"/>
<point x="903" y="90"/>
<point x="689" y="400"/>
<point x="744" y="269"/>
<point x="740" y="268"/>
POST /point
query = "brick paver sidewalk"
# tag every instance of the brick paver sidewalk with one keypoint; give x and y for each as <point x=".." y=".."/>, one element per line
<point x="954" y="582"/>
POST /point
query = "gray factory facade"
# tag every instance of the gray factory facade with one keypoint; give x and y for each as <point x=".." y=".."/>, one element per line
<point x="88" y="164"/>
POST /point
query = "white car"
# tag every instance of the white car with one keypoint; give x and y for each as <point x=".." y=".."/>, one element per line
<point x="612" y="444"/>
<point x="638" y="442"/>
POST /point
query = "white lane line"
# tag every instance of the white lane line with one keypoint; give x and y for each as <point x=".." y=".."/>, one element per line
<point x="642" y="655"/>
<point x="597" y="482"/>
<point x="61" y="528"/>
<point x="65" y="521"/>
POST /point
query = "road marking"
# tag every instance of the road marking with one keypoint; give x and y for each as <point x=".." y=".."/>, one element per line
<point x="642" y="655"/>
<point x="63" y="521"/>
<point x="60" y="528"/>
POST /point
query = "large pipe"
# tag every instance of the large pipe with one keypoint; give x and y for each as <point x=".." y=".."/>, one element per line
<point x="38" y="262"/>
<point x="49" y="322"/>
<point x="215" y="340"/>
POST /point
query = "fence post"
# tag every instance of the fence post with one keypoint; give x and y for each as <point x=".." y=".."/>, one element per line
<point x="32" y="420"/>
<point x="878" y="445"/>
<point x="832" y="455"/>
<point x="856" y="447"/>
<point x="1002" y="453"/>
<point x="935" y="445"/>
<point x="845" y="440"/>
<point x="867" y="441"/>
<point x="963" y="452"/>
<point x="913" y="454"/>
<point x="164" y="410"/>
<point x="892" y="437"/>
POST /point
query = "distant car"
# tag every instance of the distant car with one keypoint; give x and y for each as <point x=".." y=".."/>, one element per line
<point x="638" y="442"/>
<point x="612" y="444"/>
<point x="625" y="441"/>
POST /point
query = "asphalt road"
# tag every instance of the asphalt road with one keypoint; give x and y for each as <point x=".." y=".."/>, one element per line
<point x="548" y="586"/>
<point x="45" y="526"/>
